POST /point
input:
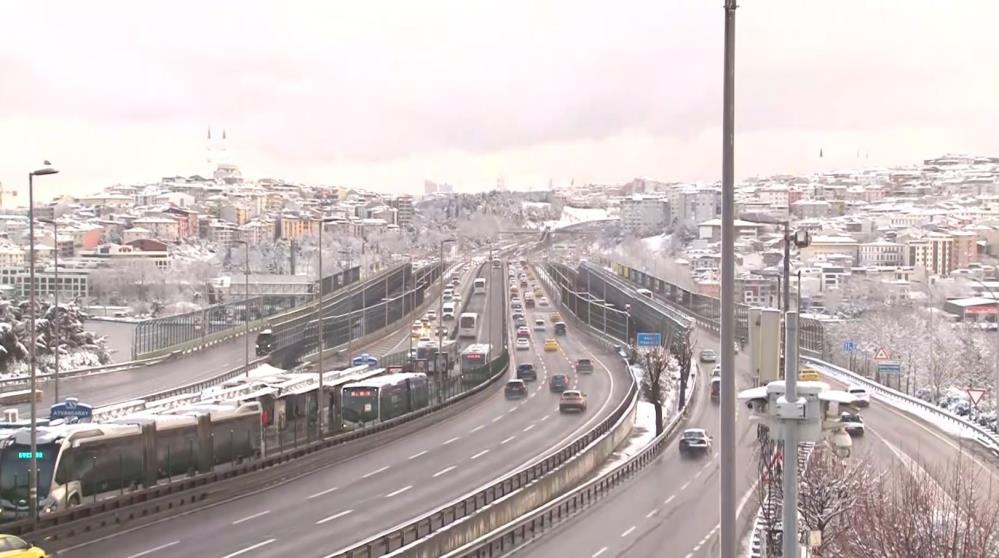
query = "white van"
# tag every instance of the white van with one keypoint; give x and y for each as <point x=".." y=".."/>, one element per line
<point x="447" y="295"/>
<point x="447" y="311"/>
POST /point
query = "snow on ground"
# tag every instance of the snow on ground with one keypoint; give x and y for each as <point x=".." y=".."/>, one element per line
<point x="657" y="243"/>
<point x="536" y="205"/>
<point x="574" y="215"/>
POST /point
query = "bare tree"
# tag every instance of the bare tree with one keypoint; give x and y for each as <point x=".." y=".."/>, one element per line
<point x="657" y="381"/>
<point x="907" y="513"/>
<point x="829" y="490"/>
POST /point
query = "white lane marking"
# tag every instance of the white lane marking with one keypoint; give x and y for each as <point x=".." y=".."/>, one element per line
<point x="651" y="513"/>
<point x="668" y="500"/>
<point x="544" y="418"/>
<point x="375" y="472"/>
<point x="685" y="485"/>
<point x="480" y="454"/>
<point x="599" y="552"/>
<point x="445" y="471"/>
<point x="334" y="516"/>
<point x="528" y="427"/>
<point x="398" y="492"/>
<point x="249" y="548"/>
<point x="697" y="475"/>
<point x="249" y="517"/>
<point x="322" y="493"/>
<point x="628" y="531"/>
<point x="415" y="455"/>
<point x="507" y="440"/>
<point x="512" y="409"/>
<point x="154" y="549"/>
<point x="455" y="439"/>
<point x="498" y="418"/>
<point x="479" y="427"/>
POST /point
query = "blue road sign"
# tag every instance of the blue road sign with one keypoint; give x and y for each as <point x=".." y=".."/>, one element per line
<point x="71" y="410"/>
<point x="889" y="367"/>
<point x="849" y="346"/>
<point x="649" y="339"/>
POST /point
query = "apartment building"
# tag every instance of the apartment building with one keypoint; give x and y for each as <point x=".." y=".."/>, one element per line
<point x="934" y="252"/>
<point x="644" y="215"/>
<point x="881" y="253"/>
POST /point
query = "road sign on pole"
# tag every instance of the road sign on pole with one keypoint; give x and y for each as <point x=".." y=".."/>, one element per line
<point x="849" y="346"/>
<point x="976" y="395"/>
<point x="881" y="354"/>
<point x="889" y="367"/>
<point x="649" y="339"/>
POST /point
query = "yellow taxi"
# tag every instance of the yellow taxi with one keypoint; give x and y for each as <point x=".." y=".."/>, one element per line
<point x="809" y="375"/>
<point x="551" y="345"/>
<point x="15" y="547"/>
<point x="556" y="317"/>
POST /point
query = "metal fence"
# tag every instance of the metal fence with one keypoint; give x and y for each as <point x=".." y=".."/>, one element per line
<point x="158" y="334"/>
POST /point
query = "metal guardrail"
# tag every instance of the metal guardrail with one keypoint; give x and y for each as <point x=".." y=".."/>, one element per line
<point x="563" y="508"/>
<point x="985" y="437"/>
<point x="21" y="381"/>
<point x="193" y="490"/>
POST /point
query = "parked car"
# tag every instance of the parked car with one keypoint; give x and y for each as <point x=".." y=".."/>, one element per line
<point x="522" y="344"/>
<point x="515" y="389"/>
<point x="551" y="345"/>
<point x="527" y="372"/>
<point x="572" y="401"/>
<point x="852" y="423"/>
<point x="707" y="355"/>
<point x="584" y="366"/>
<point x="694" y="441"/>
<point x="861" y="394"/>
<point x="558" y="383"/>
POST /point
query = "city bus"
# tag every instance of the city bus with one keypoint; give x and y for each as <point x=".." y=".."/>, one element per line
<point x="473" y="363"/>
<point x="79" y="461"/>
<point x="479" y="286"/>
<point x="467" y="323"/>
<point x="383" y="398"/>
<point x="428" y="351"/>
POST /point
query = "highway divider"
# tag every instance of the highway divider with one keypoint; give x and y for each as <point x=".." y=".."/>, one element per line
<point x="542" y="520"/>
<point x="467" y="518"/>
<point x="114" y="513"/>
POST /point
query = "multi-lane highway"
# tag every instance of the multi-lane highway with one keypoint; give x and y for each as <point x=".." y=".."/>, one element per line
<point x="671" y="508"/>
<point x="351" y="500"/>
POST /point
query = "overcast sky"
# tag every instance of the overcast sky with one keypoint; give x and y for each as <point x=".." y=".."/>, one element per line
<point x="386" y="94"/>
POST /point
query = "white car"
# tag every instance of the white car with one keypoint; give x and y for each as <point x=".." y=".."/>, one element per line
<point x="522" y="344"/>
<point x="539" y="325"/>
<point x="543" y="302"/>
<point x="860" y="393"/>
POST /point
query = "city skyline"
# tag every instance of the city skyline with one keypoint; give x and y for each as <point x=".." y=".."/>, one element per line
<point x="384" y="99"/>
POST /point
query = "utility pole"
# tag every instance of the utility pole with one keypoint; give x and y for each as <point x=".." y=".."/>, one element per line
<point x="728" y="504"/>
<point x="55" y="354"/>
<point x="321" y="327"/>
<point x="789" y="484"/>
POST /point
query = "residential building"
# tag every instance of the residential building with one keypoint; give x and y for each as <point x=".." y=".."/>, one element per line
<point x="294" y="226"/>
<point x="692" y="205"/>
<point x="12" y="257"/>
<point x="113" y="254"/>
<point x="825" y="245"/>
<point x="965" y="248"/>
<point x="932" y="252"/>
<point x="404" y="210"/>
<point x="72" y="283"/>
<point x="644" y="215"/>
<point x="162" y="228"/>
<point x="881" y="253"/>
<point x="811" y="209"/>
<point x="711" y="230"/>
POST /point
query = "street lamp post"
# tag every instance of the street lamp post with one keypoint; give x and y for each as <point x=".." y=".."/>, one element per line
<point x="440" y="311"/>
<point x="55" y="305"/>
<point x="33" y="487"/>
<point x="727" y="395"/>
<point x="246" y="305"/>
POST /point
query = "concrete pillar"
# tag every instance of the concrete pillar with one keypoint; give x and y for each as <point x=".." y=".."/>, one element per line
<point x="206" y="444"/>
<point x="150" y="461"/>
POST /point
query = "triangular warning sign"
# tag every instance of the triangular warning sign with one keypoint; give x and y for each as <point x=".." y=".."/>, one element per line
<point x="881" y="355"/>
<point x="976" y="395"/>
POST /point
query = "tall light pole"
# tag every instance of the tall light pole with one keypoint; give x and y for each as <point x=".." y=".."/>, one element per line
<point x="246" y="305"/>
<point x="321" y="330"/>
<point x="55" y="305"/>
<point x="440" y="311"/>
<point x="727" y="395"/>
<point x="33" y="488"/>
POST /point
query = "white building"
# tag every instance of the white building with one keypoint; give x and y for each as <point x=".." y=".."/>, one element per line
<point x="643" y="215"/>
<point x="162" y="229"/>
<point x="881" y="253"/>
<point x="692" y="205"/>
